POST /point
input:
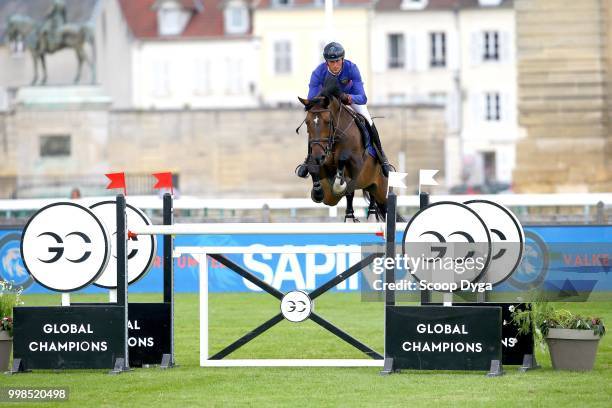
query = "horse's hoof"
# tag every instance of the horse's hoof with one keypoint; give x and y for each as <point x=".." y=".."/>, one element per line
<point x="316" y="195"/>
<point x="351" y="217"/>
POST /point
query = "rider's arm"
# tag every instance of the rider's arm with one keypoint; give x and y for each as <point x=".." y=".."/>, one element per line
<point x="357" y="92"/>
<point x="315" y="85"/>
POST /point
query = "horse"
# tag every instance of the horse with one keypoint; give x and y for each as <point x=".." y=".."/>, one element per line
<point x="73" y="36"/>
<point x="338" y="161"/>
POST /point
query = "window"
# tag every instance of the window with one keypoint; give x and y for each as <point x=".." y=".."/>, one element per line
<point x="161" y="79"/>
<point x="234" y="83"/>
<point x="55" y="146"/>
<point x="489" y="166"/>
<point x="491" y="46"/>
<point x="396" y="51"/>
<point x="236" y="18"/>
<point x="492" y="106"/>
<point x="438" y="49"/>
<point x="170" y="22"/>
<point x="413" y="4"/>
<point x="202" y="77"/>
<point x="282" y="57"/>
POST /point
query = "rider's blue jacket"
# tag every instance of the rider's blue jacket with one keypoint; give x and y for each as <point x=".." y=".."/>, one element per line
<point x="349" y="78"/>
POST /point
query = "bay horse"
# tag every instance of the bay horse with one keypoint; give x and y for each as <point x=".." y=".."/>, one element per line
<point x="338" y="161"/>
<point x="73" y="36"/>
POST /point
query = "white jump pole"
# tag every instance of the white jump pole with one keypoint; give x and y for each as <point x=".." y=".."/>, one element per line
<point x="263" y="228"/>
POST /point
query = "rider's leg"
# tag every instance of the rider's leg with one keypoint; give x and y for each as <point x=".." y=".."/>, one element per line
<point x="363" y="109"/>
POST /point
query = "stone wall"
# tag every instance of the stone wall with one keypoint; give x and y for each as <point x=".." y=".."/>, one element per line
<point x="247" y="153"/>
<point x="564" y="93"/>
<point x="241" y="153"/>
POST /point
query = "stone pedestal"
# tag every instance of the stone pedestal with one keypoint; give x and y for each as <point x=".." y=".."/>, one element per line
<point x="80" y="113"/>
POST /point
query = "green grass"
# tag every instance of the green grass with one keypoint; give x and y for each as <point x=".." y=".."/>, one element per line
<point x="234" y="314"/>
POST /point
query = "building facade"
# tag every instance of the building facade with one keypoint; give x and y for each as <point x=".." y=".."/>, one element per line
<point x="459" y="53"/>
<point x="292" y="34"/>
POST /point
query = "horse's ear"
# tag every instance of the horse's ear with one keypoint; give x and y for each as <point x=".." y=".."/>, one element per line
<point x="305" y="102"/>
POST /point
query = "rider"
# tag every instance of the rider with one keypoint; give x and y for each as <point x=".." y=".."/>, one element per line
<point x="353" y="94"/>
<point x="55" y="18"/>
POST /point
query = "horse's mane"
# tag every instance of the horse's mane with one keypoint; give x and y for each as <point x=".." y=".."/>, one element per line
<point x="331" y="89"/>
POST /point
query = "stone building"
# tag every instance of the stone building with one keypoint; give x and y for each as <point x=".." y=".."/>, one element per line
<point x="565" y="94"/>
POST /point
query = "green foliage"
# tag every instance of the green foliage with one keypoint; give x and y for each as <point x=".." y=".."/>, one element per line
<point x="540" y="317"/>
<point x="9" y="297"/>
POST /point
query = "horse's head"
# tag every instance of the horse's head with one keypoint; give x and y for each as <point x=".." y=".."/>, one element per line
<point x="18" y="26"/>
<point x="320" y="114"/>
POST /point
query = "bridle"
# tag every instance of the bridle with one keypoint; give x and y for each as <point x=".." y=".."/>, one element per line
<point x="335" y="134"/>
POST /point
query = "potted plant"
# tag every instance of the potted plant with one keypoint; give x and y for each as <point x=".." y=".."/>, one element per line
<point x="572" y="339"/>
<point x="9" y="297"/>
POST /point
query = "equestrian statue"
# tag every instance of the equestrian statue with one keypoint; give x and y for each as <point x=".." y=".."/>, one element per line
<point x="53" y="34"/>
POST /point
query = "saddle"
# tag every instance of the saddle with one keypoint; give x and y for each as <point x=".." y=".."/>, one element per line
<point x="365" y="129"/>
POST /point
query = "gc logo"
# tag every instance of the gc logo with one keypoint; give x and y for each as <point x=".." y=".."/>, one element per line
<point x="65" y="247"/>
<point x="296" y="306"/>
<point x="140" y="253"/>
<point x="59" y="250"/>
<point x="482" y="240"/>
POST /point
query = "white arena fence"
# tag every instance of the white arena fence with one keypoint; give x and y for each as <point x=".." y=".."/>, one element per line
<point x="538" y="208"/>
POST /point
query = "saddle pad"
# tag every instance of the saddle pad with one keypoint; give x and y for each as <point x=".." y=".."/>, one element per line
<point x="364" y="128"/>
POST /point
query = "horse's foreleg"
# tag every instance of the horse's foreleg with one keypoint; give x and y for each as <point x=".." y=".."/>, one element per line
<point x="317" y="190"/>
<point x="339" y="186"/>
<point x="350" y="213"/>
<point x="43" y="65"/>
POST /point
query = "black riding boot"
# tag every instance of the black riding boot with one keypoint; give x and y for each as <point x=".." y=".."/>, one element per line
<point x="302" y="169"/>
<point x="386" y="167"/>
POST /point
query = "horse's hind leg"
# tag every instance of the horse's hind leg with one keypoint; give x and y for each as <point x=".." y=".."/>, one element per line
<point x="43" y="64"/>
<point x="35" y="59"/>
<point x="80" y="53"/>
<point x="350" y="213"/>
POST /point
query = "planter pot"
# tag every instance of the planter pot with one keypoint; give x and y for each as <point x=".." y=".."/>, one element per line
<point x="572" y="349"/>
<point x="6" y="345"/>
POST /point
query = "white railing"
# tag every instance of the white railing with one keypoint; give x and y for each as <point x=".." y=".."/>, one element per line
<point x="586" y="201"/>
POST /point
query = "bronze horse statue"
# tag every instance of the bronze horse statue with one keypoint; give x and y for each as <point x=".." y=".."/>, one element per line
<point x="35" y="38"/>
<point x="338" y="161"/>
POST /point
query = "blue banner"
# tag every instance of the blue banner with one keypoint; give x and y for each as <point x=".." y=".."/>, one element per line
<point x="576" y="257"/>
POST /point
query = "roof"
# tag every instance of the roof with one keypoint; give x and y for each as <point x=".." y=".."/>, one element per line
<point x="206" y="19"/>
<point x="394" y="5"/>
<point x="78" y="11"/>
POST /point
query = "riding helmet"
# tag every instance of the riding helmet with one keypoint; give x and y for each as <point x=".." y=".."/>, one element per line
<point x="333" y="51"/>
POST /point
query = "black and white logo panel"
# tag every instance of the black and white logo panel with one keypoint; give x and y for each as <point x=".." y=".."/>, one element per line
<point x="507" y="236"/>
<point x="65" y="247"/>
<point x="140" y="253"/>
<point x="296" y="306"/>
<point x="447" y="243"/>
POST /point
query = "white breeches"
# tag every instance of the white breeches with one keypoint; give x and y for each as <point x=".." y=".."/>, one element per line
<point x="363" y="109"/>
